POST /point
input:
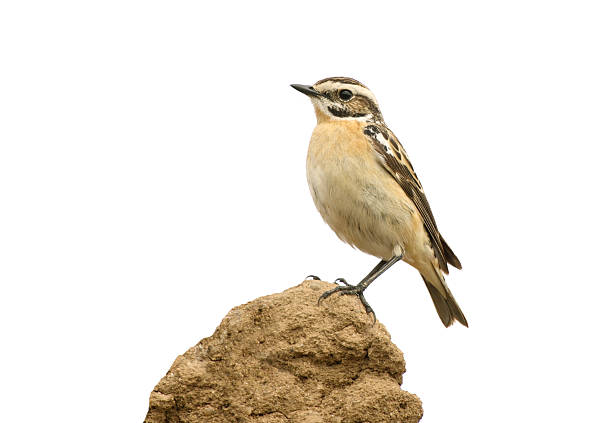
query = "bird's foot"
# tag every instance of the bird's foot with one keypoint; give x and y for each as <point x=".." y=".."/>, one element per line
<point x="349" y="289"/>
<point x="313" y="277"/>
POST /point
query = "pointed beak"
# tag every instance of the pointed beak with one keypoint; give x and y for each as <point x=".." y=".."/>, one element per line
<point x="306" y="89"/>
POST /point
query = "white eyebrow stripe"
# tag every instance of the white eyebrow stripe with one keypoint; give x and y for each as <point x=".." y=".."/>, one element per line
<point x="356" y="89"/>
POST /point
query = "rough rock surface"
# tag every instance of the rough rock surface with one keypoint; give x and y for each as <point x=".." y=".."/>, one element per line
<point x="282" y="358"/>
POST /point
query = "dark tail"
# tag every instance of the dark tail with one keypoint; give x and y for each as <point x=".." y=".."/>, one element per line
<point x="447" y="308"/>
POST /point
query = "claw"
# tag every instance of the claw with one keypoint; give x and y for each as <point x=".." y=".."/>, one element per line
<point x="349" y="290"/>
<point x="315" y="277"/>
<point x="342" y="280"/>
<point x="328" y="293"/>
<point x="367" y="306"/>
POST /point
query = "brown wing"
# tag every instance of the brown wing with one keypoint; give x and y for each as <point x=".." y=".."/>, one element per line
<point x="394" y="159"/>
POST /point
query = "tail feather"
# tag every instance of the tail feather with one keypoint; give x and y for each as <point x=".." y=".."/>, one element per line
<point x="447" y="308"/>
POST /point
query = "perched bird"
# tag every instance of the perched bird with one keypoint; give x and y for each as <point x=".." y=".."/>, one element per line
<point x="367" y="191"/>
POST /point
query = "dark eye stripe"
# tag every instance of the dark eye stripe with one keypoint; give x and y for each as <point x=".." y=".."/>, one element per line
<point x="371" y="105"/>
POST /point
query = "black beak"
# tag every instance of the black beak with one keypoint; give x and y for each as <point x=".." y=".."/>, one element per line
<point x="306" y="89"/>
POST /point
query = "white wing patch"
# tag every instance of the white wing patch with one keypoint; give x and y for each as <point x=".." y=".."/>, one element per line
<point x="374" y="133"/>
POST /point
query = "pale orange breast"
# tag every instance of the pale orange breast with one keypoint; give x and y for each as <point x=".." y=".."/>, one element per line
<point x="355" y="195"/>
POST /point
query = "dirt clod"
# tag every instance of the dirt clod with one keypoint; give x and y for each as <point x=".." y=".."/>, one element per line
<point x="282" y="358"/>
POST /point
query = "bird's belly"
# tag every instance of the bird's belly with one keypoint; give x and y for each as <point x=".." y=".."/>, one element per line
<point x="363" y="205"/>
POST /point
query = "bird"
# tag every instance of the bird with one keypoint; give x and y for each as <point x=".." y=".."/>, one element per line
<point x="365" y="188"/>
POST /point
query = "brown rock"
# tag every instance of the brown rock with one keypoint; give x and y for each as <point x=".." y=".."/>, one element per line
<point x="282" y="358"/>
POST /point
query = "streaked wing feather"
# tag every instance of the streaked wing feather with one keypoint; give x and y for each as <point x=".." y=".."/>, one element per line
<point x="394" y="159"/>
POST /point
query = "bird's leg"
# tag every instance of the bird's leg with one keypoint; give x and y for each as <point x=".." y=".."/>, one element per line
<point x="376" y="268"/>
<point x="343" y="281"/>
<point x="358" y="289"/>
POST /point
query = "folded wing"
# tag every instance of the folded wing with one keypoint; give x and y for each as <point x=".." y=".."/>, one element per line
<point x="394" y="159"/>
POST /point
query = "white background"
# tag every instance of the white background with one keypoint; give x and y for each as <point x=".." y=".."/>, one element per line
<point x="152" y="176"/>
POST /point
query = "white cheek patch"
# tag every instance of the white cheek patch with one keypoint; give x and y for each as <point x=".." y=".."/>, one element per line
<point x="366" y="118"/>
<point x="321" y="106"/>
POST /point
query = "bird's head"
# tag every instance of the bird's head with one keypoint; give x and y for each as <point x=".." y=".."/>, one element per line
<point x="341" y="98"/>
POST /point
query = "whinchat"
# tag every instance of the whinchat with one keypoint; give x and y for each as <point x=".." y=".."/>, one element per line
<point x="367" y="191"/>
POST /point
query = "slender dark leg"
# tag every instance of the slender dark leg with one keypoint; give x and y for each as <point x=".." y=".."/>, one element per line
<point x="358" y="289"/>
<point x="342" y="280"/>
<point x="376" y="268"/>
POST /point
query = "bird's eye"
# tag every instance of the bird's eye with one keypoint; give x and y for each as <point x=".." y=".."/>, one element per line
<point x="345" y="95"/>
